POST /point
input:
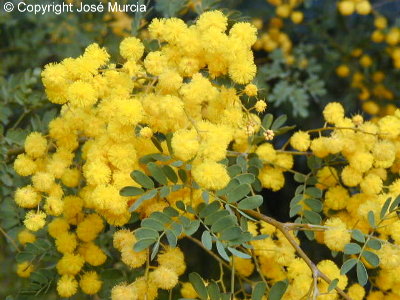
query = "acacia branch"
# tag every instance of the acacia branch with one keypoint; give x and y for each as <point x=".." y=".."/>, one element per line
<point x="283" y="228"/>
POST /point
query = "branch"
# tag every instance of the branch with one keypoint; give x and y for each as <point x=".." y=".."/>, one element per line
<point x="283" y="228"/>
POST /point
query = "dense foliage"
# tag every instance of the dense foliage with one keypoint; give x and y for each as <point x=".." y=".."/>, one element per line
<point x="148" y="156"/>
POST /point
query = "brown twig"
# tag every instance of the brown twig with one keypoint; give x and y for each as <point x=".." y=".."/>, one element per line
<point x="283" y="228"/>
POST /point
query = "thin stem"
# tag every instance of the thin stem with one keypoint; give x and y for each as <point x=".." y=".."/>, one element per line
<point x="10" y="239"/>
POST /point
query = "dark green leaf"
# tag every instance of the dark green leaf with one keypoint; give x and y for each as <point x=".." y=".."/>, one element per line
<point x="198" y="285"/>
<point x="221" y="250"/>
<point x="362" y="274"/>
<point x="213" y="291"/>
<point x="246" y="178"/>
<point x="154" y="251"/>
<point x="294" y="210"/>
<point x="279" y="122"/>
<point x="239" y="253"/>
<point x="314" y="192"/>
<point x="267" y="121"/>
<point x="206" y="240"/>
<point x="209" y="209"/>
<point x="371" y="219"/>
<point x="234" y="170"/>
<point x="143" y="244"/>
<point x="146" y="233"/>
<point x="395" y="204"/>
<point x="358" y="236"/>
<point x="333" y="284"/>
<point x="171" y="237"/>
<point x="313" y="217"/>
<point x="170" y="173"/>
<point x="161" y="217"/>
<point x="157" y="173"/>
<point x="278" y="290"/>
<point x="171" y="212"/>
<point x="164" y="191"/>
<point x="149" y="195"/>
<point x="182" y="175"/>
<point x="352" y="248"/>
<point x="238" y="193"/>
<point x="371" y="258"/>
<point x="153" y="224"/>
<point x="314" y="204"/>
<point x="258" y="290"/>
<point x="223" y="223"/>
<point x="130" y="191"/>
<point x="142" y="179"/>
<point x="211" y="219"/>
<point x="385" y="207"/>
<point x="374" y="244"/>
<point x="193" y="227"/>
<point x="251" y="202"/>
<point x="348" y="265"/>
<point x="231" y="233"/>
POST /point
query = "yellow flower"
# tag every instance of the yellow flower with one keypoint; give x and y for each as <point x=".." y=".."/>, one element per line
<point x="35" y="145"/>
<point x="90" y="283"/>
<point x="300" y="141"/>
<point x="35" y="220"/>
<point x="24" y="269"/>
<point x="131" y="48"/>
<point x="337" y="236"/>
<point x="67" y="286"/>
<point x="210" y="175"/>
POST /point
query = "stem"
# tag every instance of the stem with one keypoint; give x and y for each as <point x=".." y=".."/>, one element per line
<point x="283" y="228"/>
<point x="10" y="239"/>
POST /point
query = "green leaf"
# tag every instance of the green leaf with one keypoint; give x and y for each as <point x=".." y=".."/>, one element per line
<point x="206" y="240"/>
<point x="242" y="162"/>
<point x="231" y="185"/>
<point x="279" y="122"/>
<point x="192" y="228"/>
<point x="146" y="233"/>
<point x="231" y="233"/>
<point x="395" y="204"/>
<point x="211" y="219"/>
<point x="312" y="217"/>
<point x="374" y="244"/>
<point x="358" y="236"/>
<point x="152" y="223"/>
<point x="198" y="285"/>
<point x="171" y="237"/>
<point x="294" y="210"/>
<point x="371" y="219"/>
<point x="213" y="291"/>
<point x="157" y="173"/>
<point x="348" y="265"/>
<point x="223" y="223"/>
<point x="333" y="284"/>
<point x="258" y="290"/>
<point x="371" y="258"/>
<point x="246" y="178"/>
<point x="24" y="256"/>
<point x="209" y="209"/>
<point x="170" y="8"/>
<point x="143" y="244"/>
<point x="182" y="175"/>
<point x="267" y="121"/>
<point x="362" y="274"/>
<point x="157" y="144"/>
<point x="171" y="212"/>
<point x="238" y="193"/>
<point x="221" y="250"/>
<point x="142" y="179"/>
<point x="130" y="191"/>
<point x="313" y="192"/>
<point x="154" y="251"/>
<point x="314" y="204"/>
<point x="170" y="173"/>
<point x="278" y="290"/>
<point x="352" y="248"/>
<point x="385" y="207"/>
<point x="300" y="178"/>
<point x="149" y="195"/>
<point x="161" y="217"/>
<point x="239" y="253"/>
<point x="251" y="202"/>
<point x="314" y="162"/>
<point x="165" y="191"/>
<point x="234" y="170"/>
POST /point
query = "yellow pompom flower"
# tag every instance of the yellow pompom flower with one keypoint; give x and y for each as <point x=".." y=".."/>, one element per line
<point x="336" y="197"/>
<point x="245" y="32"/>
<point x="271" y="178"/>
<point x="35" y="220"/>
<point x="27" y="197"/>
<point x="35" y="145"/>
<point x="260" y="106"/>
<point x="212" y="19"/>
<point x="300" y="141"/>
<point x="90" y="283"/>
<point x="57" y="227"/>
<point x="89" y="228"/>
<point x="361" y="161"/>
<point x="164" y="278"/>
<point x="333" y="112"/>
<point x="371" y="184"/>
<point x="92" y="254"/>
<point x="54" y="206"/>
<point x="244" y="267"/>
<point x="25" y="237"/>
<point x="210" y="175"/>
<point x="129" y="111"/>
<point x="71" y="177"/>
<point x="363" y="7"/>
<point x="350" y="176"/>
<point x="327" y="177"/>
<point x="25" y="269"/>
<point x="123" y="238"/>
<point x="43" y="181"/>
<point x="24" y="165"/>
<point x="173" y="259"/>
<point x="242" y="72"/>
<point x="356" y="292"/>
<point x="266" y="152"/>
<point x="251" y="90"/>
<point x="185" y="144"/>
<point x="297" y="17"/>
<point x="70" y="264"/>
<point x="146" y="132"/>
<point x="131" y="48"/>
<point x="337" y="236"/>
<point x="132" y="258"/>
<point x="81" y="94"/>
<point x="66" y="242"/>
<point x="123" y="291"/>
<point x="97" y="172"/>
<point x="67" y="286"/>
<point x="346" y="7"/>
<point x="343" y="71"/>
